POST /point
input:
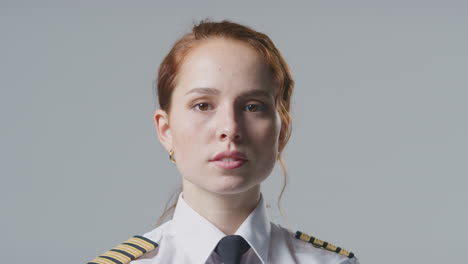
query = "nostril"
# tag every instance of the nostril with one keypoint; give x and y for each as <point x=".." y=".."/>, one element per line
<point x="231" y="135"/>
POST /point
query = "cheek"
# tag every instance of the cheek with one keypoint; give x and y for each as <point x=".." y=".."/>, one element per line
<point x="265" y="132"/>
<point x="188" y="134"/>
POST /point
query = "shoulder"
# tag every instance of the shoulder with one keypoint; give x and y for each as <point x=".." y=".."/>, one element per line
<point x="133" y="248"/>
<point x="127" y="251"/>
<point x="305" y="248"/>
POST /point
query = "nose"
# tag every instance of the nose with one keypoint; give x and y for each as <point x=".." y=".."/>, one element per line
<point x="233" y="135"/>
<point x="228" y="126"/>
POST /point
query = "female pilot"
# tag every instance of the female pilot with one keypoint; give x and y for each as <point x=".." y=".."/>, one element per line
<point x="224" y="92"/>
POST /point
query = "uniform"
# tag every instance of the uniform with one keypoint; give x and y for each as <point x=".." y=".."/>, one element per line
<point x="190" y="238"/>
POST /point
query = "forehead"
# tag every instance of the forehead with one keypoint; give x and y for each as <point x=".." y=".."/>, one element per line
<point x="226" y="65"/>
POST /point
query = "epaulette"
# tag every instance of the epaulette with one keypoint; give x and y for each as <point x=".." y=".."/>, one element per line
<point x="129" y="250"/>
<point x="322" y="244"/>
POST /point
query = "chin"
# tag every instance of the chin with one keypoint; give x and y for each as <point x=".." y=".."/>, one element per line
<point x="233" y="187"/>
<point x="229" y="186"/>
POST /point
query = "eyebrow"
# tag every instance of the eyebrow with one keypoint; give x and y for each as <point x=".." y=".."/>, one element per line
<point x="204" y="90"/>
<point x="214" y="91"/>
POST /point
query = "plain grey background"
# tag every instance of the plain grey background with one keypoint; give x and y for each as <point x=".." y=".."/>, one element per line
<point x="377" y="159"/>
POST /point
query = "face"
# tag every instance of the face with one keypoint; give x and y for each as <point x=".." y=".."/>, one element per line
<point x="223" y="102"/>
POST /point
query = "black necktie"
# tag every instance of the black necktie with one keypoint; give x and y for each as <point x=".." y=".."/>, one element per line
<point x="231" y="248"/>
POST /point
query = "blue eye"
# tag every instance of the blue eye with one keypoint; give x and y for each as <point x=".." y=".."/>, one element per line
<point x="254" y="107"/>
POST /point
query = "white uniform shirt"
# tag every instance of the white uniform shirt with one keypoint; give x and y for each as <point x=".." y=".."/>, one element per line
<point x="190" y="238"/>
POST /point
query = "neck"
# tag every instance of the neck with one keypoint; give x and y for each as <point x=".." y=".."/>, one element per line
<point x="226" y="211"/>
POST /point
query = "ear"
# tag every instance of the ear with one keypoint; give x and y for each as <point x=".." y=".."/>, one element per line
<point x="282" y="137"/>
<point x="161" y="121"/>
<point x="280" y="141"/>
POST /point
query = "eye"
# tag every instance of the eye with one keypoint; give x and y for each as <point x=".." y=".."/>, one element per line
<point x="202" y="107"/>
<point x="254" y="107"/>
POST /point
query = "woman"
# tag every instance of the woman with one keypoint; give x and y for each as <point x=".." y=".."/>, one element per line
<point x="224" y="93"/>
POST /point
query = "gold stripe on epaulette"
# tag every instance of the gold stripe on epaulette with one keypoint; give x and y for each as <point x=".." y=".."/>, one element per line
<point x="129" y="250"/>
<point x="100" y="260"/>
<point x="322" y="244"/>
<point x="142" y="243"/>
<point x="118" y="256"/>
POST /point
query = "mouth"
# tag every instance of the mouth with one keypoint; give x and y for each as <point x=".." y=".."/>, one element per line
<point x="229" y="160"/>
<point x="229" y="163"/>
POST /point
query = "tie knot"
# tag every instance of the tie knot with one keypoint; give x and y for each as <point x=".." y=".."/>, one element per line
<point x="231" y="248"/>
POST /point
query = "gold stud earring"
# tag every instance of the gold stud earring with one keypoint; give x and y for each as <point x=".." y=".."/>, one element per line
<point x="171" y="156"/>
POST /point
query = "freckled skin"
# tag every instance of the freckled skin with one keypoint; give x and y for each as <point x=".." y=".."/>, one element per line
<point x="233" y="68"/>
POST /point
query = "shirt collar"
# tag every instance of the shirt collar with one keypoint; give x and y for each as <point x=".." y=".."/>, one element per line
<point x="199" y="237"/>
<point x="256" y="230"/>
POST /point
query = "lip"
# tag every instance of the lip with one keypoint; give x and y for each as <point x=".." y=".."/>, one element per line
<point x="234" y="154"/>
<point x="239" y="159"/>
